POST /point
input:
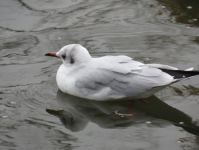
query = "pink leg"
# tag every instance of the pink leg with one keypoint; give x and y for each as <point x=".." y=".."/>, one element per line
<point x="128" y="110"/>
<point x="144" y="101"/>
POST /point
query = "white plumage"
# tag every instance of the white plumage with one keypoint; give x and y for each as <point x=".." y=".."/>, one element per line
<point x="108" y="77"/>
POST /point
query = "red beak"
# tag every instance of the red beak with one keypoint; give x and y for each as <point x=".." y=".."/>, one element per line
<point x="51" y="54"/>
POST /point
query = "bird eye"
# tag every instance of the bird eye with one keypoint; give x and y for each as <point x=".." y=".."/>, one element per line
<point x="64" y="56"/>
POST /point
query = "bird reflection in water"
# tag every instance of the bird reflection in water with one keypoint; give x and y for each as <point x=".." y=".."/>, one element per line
<point x="77" y="112"/>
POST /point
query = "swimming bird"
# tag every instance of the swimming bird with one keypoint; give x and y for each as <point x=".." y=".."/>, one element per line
<point x="112" y="77"/>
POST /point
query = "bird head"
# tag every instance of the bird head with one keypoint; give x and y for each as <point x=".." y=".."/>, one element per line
<point x="72" y="54"/>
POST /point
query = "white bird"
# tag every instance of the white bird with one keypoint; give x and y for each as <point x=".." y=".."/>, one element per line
<point x="112" y="77"/>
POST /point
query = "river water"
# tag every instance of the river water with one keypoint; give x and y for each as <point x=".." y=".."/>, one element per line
<point x="35" y="115"/>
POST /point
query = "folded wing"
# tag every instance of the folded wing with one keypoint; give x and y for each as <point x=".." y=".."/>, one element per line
<point x="115" y="77"/>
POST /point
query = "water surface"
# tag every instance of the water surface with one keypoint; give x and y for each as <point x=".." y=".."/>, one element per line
<point x="35" y="115"/>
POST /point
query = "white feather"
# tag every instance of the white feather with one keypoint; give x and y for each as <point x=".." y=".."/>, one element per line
<point x="109" y="77"/>
<point x="162" y="66"/>
<point x="189" y="69"/>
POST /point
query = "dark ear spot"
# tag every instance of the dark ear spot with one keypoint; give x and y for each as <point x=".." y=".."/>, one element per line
<point x="72" y="55"/>
<point x="72" y="60"/>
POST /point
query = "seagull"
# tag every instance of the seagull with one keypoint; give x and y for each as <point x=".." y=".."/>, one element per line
<point x="112" y="77"/>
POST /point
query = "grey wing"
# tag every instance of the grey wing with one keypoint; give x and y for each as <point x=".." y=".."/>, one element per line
<point x="102" y="84"/>
<point x="119" y="77"/>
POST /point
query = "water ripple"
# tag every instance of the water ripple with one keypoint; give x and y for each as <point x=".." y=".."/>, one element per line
<point x="155" y="31"/>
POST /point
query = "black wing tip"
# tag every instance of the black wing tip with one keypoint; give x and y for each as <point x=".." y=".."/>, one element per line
<point x="180" y="74"/>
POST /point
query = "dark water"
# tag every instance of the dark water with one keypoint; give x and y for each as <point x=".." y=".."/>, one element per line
<point x="35" y="115"/>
